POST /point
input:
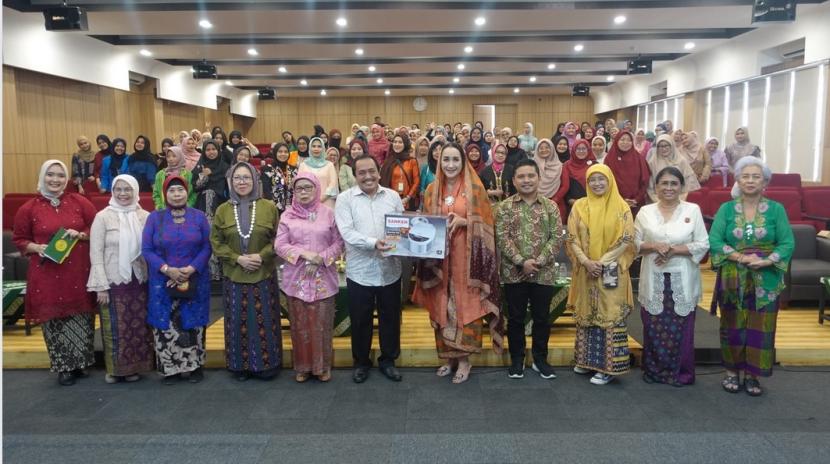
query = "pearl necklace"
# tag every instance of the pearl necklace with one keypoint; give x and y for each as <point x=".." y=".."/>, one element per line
<point x="250" y="227"/>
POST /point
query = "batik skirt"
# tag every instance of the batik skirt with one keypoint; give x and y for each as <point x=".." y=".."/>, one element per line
<point x="458" y="342"/>
<point x="179" y="350"/>
<point x="311" y="335"/>
<point x="128" y="340"/>
<point x="668" y="343"/>
<point x="603" y="350"/>
<point x="253" y="336"/>
<point x="747" y="334"/>
<point x="69" y="342"/>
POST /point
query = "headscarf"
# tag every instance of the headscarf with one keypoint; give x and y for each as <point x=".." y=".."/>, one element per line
<point x="339" y="157"/>
<point x="54" y="199"/>
<point x="392" y="159"/>
<point x="316" y="162"/>
<point x="108" y="150"/>
<point x="303" y="154"/>
<point x="144" y="154"/>
<point x="602" y="214"/>
<point x="175" y="168"/>
<point x="514" y="154"/>
<point x="550" y="170"/>
<point x="718" y="154"/>
<point x="191" y="157"/>
<point x="335" y="141"/>
<point x="657" y="163"/>
<point x="739" y="150"/>
<point x="629" y="165"/>
<point x="591" y="148"/>
<point x="651" y="136"/>
<point x="233" y="133"/>
<point x="690" y="149"/>
<point x="86" y="156"/>
<point x="555" y="144"/>
<point x="479" y="164"/>
<point x="577" y="167"/>
<point x="497" y="167"/>
<point x="281" y="165"/>
<point x="129" y="228"/>
<point x="298" y="210"/>
<point x="355" y="141"/>
<point x="117" y="160"/>
<point x="571" y="138"/>
<point x="243" y="204"/>
<point x="642" y="145"/>
<point x="175" y="180"/>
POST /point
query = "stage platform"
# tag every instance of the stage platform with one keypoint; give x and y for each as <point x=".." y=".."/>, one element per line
<point x="800" y="341"/>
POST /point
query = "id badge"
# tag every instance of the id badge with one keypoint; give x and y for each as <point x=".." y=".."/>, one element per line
<point x="400" y="186"/>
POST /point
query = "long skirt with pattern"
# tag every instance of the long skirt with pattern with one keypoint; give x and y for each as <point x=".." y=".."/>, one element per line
<point x="668" y="343"/>
<point x="179" y="350"/>
<point x="603" y="350"/>
<point x="459" y="342"/>
<point x="311" y="335"/>
<point x="69" y="342"/>
<point x="747" y="334"/>
<point x="128" y="340"/>
<point x="253" y="336"/>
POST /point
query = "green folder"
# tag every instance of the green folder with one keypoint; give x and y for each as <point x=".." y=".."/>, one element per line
<point x="59" y="247"/>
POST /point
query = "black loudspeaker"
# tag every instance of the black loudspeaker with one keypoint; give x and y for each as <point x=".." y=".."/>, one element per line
<point x="204" y="71"/>
<point x="581" y="91"/>
<point x="764" y="11"/>
<point x="638" y="66"/>
<point x="66" y="18"/>
<point x="267" y="94"/>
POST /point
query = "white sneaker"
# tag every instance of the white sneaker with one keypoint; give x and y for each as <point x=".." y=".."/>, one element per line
<point x="601" y="379"/>
<point x="581" y="370"/>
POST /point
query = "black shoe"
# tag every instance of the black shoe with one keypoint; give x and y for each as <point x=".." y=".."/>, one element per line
<point x="196" y="376"/>
<point x="66" y="379"/>
<point x="80" y="373"/>
<point x="242" y="376"/>
<point x="170" y="379"/>
<point x="517" y="369"/>
<point x="360" y="374"/>
<point x="544" y="369"/>
<point x="391" y="373"/>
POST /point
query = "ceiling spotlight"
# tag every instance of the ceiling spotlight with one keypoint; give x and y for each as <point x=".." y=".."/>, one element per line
<point x="205" y="24"/>
<point x="358" y="51"/>
<point x="387" y="92"/>
<point x="372" y="69"/>
<point x="551" y="66"/>
<point x="379" y="81"/>
<point x="619" y="19"/>
<point x="579" y="47"/>
<point x="460" y="66"/>
<point x="456" y="80"/>
<point x="452" y="91"/>
<point x="303" y="82"/>
<point x="480" y="21"/>
<point x="689" y="45"/>
<point x="532" y="79"/>
<point x="228" y="83"/>
<point x="145" y="52"/>
<point x="515" y="90"/>
<point x="282" y="69"/>
<point x="323" y="92"/>
<point x="610" y="78"/>
<point x="468" y="49"/>
<point x="341" y="22"/>
<point x="253" y="52"/>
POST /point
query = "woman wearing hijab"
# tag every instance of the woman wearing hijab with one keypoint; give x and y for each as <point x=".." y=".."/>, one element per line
<point x="276" y="179"/>
<point x="378" y="145"/>
<point x="473" y="153"/>
<point x="514" y="151"/>
<point x="527" y="141"/>
<point x="56" y="294"/>
<point x="600" y="244"/>
<point x="355" y="127"/>
<point x="641" y="144"/>
<point x="104" y="150"/>
<point x="175" y="168"/>
<point x="698" y="158"/>
<point x="741" y="148"/>
<point x="497" y="178"/>
<point x="191" y="154"/>
<point x="666" y="156"/>
<point x="550" y="168"/>
<point x="236" y="140"/>
<point x="241" y="236"/>
<point x="345" y="176"/>
<point x="141" y="165"/>
<point x="598" y="148"/>
<point x="587" y="133"/>
<point x="400" y="172"/>
<point x="83" y="167"/>
<point x="562" y="148"/>
<point x="719" y="161"/>
<point x="477" y="137"/>
<point x="427" y="174"/>
<point x="210" y="186"/>
<point x="336" y="139"/>
<point x="317" y="164"/>
<point x="572" y="186"/>
<point x="176" y="245"/>
<point x="460" y="290"/>
<point x="119" y="277"/>
<point x="161" y="157"/>
<point x="570" y="132"/>
<point x="421" y="151"/>
<point x="302" y="152"/>
<point x="630" y="170"/>
<point x="114" y="164"/>
<point x="309" y="242"/>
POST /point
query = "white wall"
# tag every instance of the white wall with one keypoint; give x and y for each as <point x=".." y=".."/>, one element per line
<point x="73" y="55"/>
<point x="735" y="60"/>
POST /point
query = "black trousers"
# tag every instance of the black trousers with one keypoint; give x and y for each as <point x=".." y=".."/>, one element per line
<point x="362" y="303"/>
<point x="518" y="297"/>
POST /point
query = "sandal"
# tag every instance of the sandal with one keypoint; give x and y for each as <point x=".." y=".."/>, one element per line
<point x="446" y="370"/>
<point x="302" y="377"/>
<point x="462" y="375"/>
<point x="731" y="384"/>
<point x="324" y="377"/>
<point x="753" y="387"/>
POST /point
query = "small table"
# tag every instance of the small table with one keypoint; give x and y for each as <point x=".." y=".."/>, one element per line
<point x="825" y="290"/>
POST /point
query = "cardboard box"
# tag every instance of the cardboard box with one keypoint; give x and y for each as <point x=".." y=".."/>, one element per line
<point x="417" y="235"/>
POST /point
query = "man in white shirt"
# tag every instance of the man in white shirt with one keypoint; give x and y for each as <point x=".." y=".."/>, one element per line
<point x="371" y="279"/>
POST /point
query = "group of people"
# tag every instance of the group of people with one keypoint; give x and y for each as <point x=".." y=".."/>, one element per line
<point x="511" y="202"/>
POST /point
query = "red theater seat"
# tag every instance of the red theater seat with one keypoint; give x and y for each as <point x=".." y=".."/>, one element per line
<point x="815" y="202"/>
<point x="698" y="197"/>
<point x="11" y="203"/>
<point x="785" y="180"/>
<point x="716" y="181"/>
<point x="791" y="200"/>
<point x="714" y="199"/>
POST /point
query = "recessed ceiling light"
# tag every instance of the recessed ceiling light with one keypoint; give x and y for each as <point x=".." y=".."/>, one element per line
<point x="253" y="52"/>
<point x="282" y="69"/>
<point x="303" y="82"/>
<point x="379" y="81"/>
<point x="386" y="92"/>
<point x="515" y="90"/>
<point x="689" y="45"/>
<point x="579" y="47"/>
<point x="205" y="24"/>
<point x="452" y="91"/>
<point x="145" y="52"/>
<point x="228" y="83"/>
<point x="372" y="69"/>
<point x="551" y="66"/>
<point x="341" y="22"/>
<point x="610" y="78"/>
<point x="323" y="92"/>
<point x="358" y="51"/>
<point x="456" y="80"/>
<point x="480" y="21"/>
<point x="619" y="19"/>
<point x="468" y="49"/>
<point x="532" y="79"/>
<point x="460" y="66"/>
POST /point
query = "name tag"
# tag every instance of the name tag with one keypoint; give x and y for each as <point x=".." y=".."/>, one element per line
<point x="400" y="186"/>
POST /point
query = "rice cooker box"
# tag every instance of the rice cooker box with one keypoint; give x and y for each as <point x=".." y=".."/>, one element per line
<point x="416" y="235"/>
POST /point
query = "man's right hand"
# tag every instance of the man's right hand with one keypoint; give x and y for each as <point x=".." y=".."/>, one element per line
<point x="382" y="245"/>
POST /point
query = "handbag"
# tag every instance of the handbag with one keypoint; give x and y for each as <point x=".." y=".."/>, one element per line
<point x="185" y="290"/>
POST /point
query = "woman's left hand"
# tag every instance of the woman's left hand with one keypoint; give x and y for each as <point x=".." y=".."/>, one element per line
<point x="310" y="269"/>
<point x="456" y="221"/>
<point x="72" y="233"/>
<point x="761" y="263"/>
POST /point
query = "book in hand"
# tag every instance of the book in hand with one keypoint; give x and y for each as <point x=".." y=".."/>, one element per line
<point x="59" y="247"/>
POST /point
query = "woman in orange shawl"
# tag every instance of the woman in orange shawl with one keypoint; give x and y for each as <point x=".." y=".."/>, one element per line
<point x="463" y="289"/>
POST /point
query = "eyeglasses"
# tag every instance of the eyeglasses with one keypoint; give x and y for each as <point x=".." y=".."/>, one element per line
<point x="242" y="179"/>
<point x="307" y="188"/>
<point x="663" y="145"/>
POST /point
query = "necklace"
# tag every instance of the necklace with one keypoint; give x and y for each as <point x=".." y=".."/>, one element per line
<point x="250" y="227"/>
<point x="178" y="215"/>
